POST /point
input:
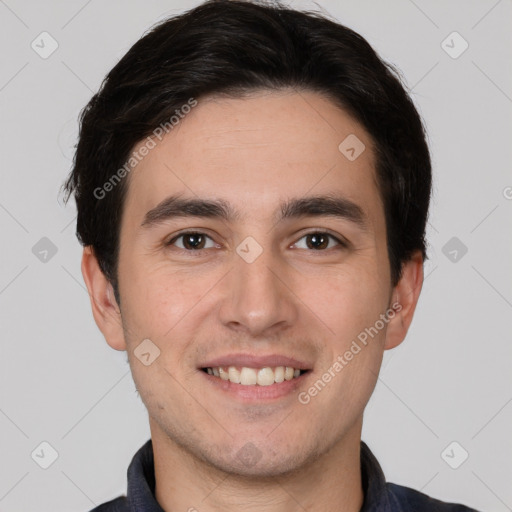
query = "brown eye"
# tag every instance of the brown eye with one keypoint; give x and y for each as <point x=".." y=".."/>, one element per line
<point x="319" y="241"/>
<point x="191" y="241"/>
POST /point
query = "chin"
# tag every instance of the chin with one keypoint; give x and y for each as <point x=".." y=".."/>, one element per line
<point x="264" y="460"/>
<point x="265" y="468"/>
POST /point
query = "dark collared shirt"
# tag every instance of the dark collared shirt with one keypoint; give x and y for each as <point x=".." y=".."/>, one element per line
<point x="379" y="496"/>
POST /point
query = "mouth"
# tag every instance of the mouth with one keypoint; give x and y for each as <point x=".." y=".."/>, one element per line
<point x="255" y="378"/>
<point x="247" y="376"/>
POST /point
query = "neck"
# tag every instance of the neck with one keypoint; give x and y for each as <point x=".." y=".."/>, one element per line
<point x="330" y="483"/>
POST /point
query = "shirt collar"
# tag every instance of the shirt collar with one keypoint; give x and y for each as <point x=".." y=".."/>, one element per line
<point x="374" y="483"/>
<point x="141" y="482"/>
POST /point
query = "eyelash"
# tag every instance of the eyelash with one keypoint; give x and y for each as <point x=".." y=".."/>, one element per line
<point x="342" y="243"/>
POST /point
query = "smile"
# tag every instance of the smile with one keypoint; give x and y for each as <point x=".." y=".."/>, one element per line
<point x="247" y="376"/>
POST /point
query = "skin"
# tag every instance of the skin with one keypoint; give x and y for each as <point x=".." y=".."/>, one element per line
<point x="308" y="303"/>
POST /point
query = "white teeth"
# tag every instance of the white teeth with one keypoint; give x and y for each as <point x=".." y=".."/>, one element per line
<point x="265" y="377"/>
<point x="251" y="376"/>
<point x="288" y="373"/>
<point x="234" y="375"/>
<point x="248" y="376"/>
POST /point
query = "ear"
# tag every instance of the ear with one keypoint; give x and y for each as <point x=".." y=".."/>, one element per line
<point x="105" y="309"/>
<point x="404" y="299"/>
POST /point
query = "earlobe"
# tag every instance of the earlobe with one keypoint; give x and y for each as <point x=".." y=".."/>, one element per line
<point x="404" y="299"/>
<point x="104" y="306"/>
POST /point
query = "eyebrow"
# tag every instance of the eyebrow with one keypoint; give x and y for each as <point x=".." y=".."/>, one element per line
<point x="315" y="206"/>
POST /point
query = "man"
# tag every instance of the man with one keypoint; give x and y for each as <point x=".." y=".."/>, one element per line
<point x="252" y="186"/>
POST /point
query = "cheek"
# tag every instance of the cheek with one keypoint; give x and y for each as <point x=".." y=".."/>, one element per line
<point x="348" y="299"/>
<point x="352" y="305"/>
<point x="156" y="300"/>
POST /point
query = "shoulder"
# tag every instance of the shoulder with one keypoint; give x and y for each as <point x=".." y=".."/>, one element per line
<point x="410" y="499"/>
<point x="117" y="505"/>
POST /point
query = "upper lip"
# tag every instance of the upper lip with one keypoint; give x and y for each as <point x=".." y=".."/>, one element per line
<point x="254" y="361"/>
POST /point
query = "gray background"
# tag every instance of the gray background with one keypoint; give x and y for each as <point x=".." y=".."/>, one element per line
<point x="449" y="381"/>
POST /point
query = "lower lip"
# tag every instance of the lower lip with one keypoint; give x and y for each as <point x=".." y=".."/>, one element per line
<point x="256" y="392"/>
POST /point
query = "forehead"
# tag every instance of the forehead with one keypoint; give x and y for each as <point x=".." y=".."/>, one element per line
<point x="253" y="151"/>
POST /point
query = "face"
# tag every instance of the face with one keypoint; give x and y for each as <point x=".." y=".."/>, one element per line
<point x="275" y="281"/>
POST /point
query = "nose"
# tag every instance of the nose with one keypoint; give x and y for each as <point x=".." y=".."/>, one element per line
<point x="259" y="298"/>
